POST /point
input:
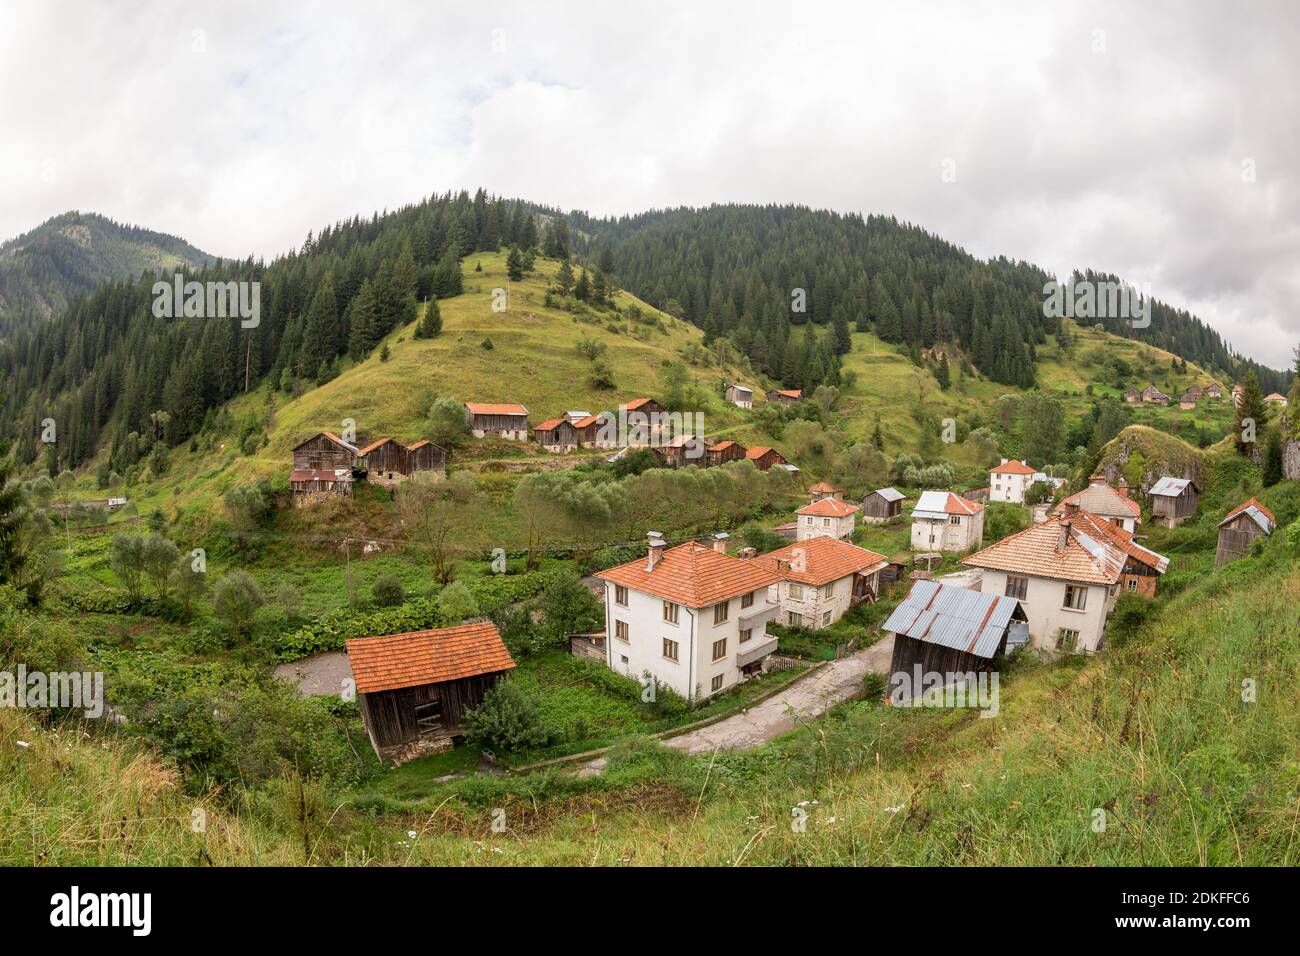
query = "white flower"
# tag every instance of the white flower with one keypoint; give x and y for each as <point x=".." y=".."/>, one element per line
<point x="412" y="834"/>
<point x="893" y="809"/>
<point x="23" y="743"/>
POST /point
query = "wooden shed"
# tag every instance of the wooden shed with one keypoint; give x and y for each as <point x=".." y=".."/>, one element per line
<point x="497" y="420"/>
<point x="558" y="435"/>
<point x="741" y="396"/>
<point x="414" y="689"/>
<point x="325" y="451"/>
<point x="597" y="431"/>
<point x="1238" y="531"/>
<point x="1173" y="500"/>
<point x="786" y="396"/>
<point x="424" y="455"/>
<point x="388" y="461"/>
<point x="725" y="451"/>
<point x="764" y="457"/>
<point x="882" y="505"/>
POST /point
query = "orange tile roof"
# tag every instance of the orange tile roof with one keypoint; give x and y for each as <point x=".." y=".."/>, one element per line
<point x="372" y="446"/>
<point x="1246" y="504"/>
<point x="394" y="661"/>
<point x="692" y="574"/>
<point x="820" y="560"/>
<point x="759" y="452"/>
<point x="419" y="444"/>
<point x="550" y="423"/>
<point x="722" y="445"/>
<point x="789" y="392"/>
<point x="588" y="421"/>
<point x="636" y="403"/>
<point x="1102" y="499"/>
<point x="487" y="408"/>
<point x="828" y="508"/>
<point x="823" y="486"/>
<point x="1012" y="467"/>
<point x="1095" y="551"/>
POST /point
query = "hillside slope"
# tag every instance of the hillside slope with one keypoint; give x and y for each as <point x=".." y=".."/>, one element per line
<point x="73" y="252"/>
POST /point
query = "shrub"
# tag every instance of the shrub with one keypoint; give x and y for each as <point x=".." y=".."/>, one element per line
<point x="387" y="591"/>
<point x="236" y="600"/>
<point x="508" y="720"/>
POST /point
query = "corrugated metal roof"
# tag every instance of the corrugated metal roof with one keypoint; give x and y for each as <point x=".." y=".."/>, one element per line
<point x="891" y="494"/>
<point x="959" y="618"/>
<point x="1173" y="487"/>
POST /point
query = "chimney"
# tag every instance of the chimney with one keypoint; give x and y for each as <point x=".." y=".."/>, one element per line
<point x="1122" y="487"/>
<point x="1096" y="479"/>
<point x="1004" y="461"/>
<point x="720" y="542"/>
<point x="655" y="549"/>
<point x="1070" y="509"/>
<point x="1063" y="539"/>
<point x="747" y="553"/>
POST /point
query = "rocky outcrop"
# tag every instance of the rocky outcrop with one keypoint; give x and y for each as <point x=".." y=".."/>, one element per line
<point x="1142" y="456"/>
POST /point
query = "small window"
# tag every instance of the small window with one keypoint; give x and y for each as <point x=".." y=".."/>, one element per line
<point x="670" y="612"/>
<point x="1132" y="585"/>
<point x="1076" y="597"/>
<point x="796" y="591"/>
<point x="747" y="600"/>
<point x="719" y="649"/>
<point x="793" y="619"/>
<point x="620" y="630"/>
<point x="955" y="519"/>
<point x="623" y="658"/>
<point x="826" y="522"/>
<point x="720" y="612"/>
<point x="620" y="595"/>
<point x="1068" y="640"/>
<point x="670" y="649"/>
<point x="746" y="634"/>
<point x="716" y="685"/>
<point x="826" y="618"/>
<point x="809" y="520"/>
<point x="1017" y="587"/>
<point x="829" y="590"/>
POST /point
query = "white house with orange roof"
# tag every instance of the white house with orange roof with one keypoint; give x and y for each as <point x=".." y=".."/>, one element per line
<point x="943" y="521"/>
<point x="1009" y="481"/>
<point x="1067" y="573"/>
<point x="692" y="617"/>
<point x="821" y="578"/>
<point x="1106" y="501"/>
<point x="826" y="515"/>
<point x="824" y="489"/>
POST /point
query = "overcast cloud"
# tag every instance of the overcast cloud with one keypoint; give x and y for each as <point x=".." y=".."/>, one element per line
<point x="1151" y="140"/>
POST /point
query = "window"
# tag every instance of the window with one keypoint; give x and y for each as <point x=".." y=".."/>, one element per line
<point x="809" y="520"/>
<point x="620" y="595"/>
<point x="670" y="649"/>
<point x="747" y="600"/>
<point x="1132" y="585"/>
<point x="620" y="630"/>
<point x="1017" y="587"/>
<point x="670" y="612"/>
<point x="796" y="591"/>
<point x="716" y="685"/>
<point x="826" y="618"/>
<point x="1076" y="597"/>
<point x="829" y="590"/>
<point x="746" y="634"/>
<point x="792" y="619"/>
<point x="1068" y="640"/>
<point x="720" y="612"/>
<point x="719" y="649"/>
<point x="826" y="522"/>
<point x="623" y="658"/>
<point x="955" y="519"/>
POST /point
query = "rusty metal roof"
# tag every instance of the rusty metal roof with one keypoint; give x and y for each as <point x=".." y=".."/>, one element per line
<point x="965" y="620"/>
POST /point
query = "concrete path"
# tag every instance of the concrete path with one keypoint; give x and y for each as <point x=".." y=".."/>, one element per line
<point x="800" y="702"/>
<point x="318" y="675"/>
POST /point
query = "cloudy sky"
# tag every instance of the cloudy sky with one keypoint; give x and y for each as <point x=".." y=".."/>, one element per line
<point x="1157" y="141"/>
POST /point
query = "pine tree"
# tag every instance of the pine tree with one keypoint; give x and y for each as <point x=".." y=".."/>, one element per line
<point x="564" y="278"/>
<point x="11" y="519"/>
<point x="320" y="335"/>
<point x="1251" y="416"/>
<point x="514" y="265"/>
<point x="1273" y="460"/>
<point x="582" y="288"/>
<point x="431" y="324"/>
<point x="943" y="375"/>
<point x="363" y="322"/>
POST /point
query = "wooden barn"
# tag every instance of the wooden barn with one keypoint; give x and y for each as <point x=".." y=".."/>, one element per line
<point x="323" y="465"/>
<point x="740" y="395"/>
<point x="499" y="420"/>
<point x="725" y="451"/>
<point x="1153" y="396"/>
<point x="1132" y="395"/>
<point x="786" y="396"/>
<point x="597" y="431"/>
<point x="558" y="435"/>
<point x="950" y="630"/>
<point x="882" y="505"/>
<point x="388" y="461"/>
<point x="414" y="689"/>
<point x="426" y="456"/>
<point x="764" y="457"/>
<point x="1238" y="531"/>
<point x="684" y="450"/>
<point x="1173" y="500"/>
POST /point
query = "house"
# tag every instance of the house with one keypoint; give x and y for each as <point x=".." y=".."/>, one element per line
<point x="882" y="505"/>
<point x="789" y="530"/>
<point x="764" y="457"/>
<point x="684" y="450"/>
<point x="1042" y="477"/>
<point x="1187" y="402"/>
<point x="323" y="464"/>
<point x="1273" y="398"/>
<point x="949" y="630"/>
<point x="740" y="396"/>
<point x="557" y="435"/>
<point x="725" y="451"/>
<point x="786" y="396"/>
<point x="979" y="495"/>
<point x="1067" y="573"/>
<point x="692" y="618"/>
<point x="646" y="417"/>
<point x="1238" y="531"/>
<point x="1132" y="396"/>
<point x="821" y="578"/>
<point x="826" y="516"/>
<point x="824" y="489"/>
<point x="597" y="431"/>
<point x="1105" y="501"/>
<point x="1153" y="396"/>
<point x="387" y="461"/>
<point x="488" y="420"/>
<point x="1009" y="481"/>
<point x="942" y="521"/>
<point x="1213" y="391"/>
<point x="413" y="689"/>
<point x="1238" y="394"/>
<point x="1173" y="500"/>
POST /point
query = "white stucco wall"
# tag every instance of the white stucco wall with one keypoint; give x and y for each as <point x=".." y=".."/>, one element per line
<point x="942" y="535"/>
<point x="811" y="526"/>
<point x="1009" y="488"/>
<point x="1043" y="603"/>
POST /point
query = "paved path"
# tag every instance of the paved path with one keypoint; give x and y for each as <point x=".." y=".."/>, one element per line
<point x="320" y="674"/>
<point x="801" y="701"/>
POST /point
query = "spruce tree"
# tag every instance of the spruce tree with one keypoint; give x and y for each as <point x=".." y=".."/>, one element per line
<point x="514" y="265"/>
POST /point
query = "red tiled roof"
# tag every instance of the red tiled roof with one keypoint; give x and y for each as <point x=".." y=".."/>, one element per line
<point x="394" y="661"/>
<point x="547" y="425"/>
<point x="419" y="444"/>
<point x="1101" y="499"/>
<point x="1012" y="467"/>
<point x="823" y="487"/>
<point x="586" y="422"/>
<point x="828" y="508"/>
<point x="759" y="452"/>
<point x="372" y="446"/>
<point x="636" y="403"/>
<point x="1037" y="551"/>
<point x="487" y="408"/>
<point x="722" y="445"/>
<point x="692" y="574"/>
<point x="819" y="560"/>
<point x="789" y="392"/>
<point x="1246" y="504"/>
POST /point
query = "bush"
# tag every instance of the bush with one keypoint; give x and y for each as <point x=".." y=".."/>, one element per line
<point x="387" y="591"/>
<point x="236" y="600"/>
<point x="509" y="720"/>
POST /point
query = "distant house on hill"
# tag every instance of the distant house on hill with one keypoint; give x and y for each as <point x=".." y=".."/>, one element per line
<point x="1009" y="481"/>
<point x="557" y="435"/>
<point x="786" y="396"/>
<point x="882" y="505"/>
<point x="725" y="451"/>
<point x="1213" y="391"/>
<point x="826" y="516"/>
<point x="1153" y="396"/>
<point x="597" y="431"/>
<point x="497" y="420"/>
<point x="740" y="395"/>
<point x="1132" y="395"/>
<point x="824" y="489"/>
<point x="684" y="450"/>
<point x="413" y="689"/>
<point x="1105" y="501"/>
<point x="646" y="416"/>
<point x="1187" y="402"/>
<point x="943" y="521"/>
<point x="1195" y="392"/>
<point x="1274" y="398"/>
<point x="764" y="457"/>
<point x="1173" y="500"/>
<point x="1238" y="394"/>
<point x="323" y="464"/>
<point x="1239" y="529"/>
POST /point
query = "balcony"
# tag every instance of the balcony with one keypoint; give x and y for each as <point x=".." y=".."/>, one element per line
<point x="757" y="616"/>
